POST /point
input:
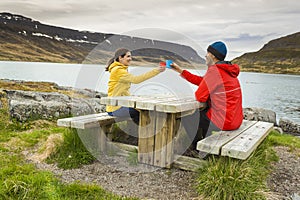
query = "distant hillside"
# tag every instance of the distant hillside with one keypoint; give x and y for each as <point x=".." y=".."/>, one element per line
<point x="281" y="55"/>
<point x="23" y="39"/>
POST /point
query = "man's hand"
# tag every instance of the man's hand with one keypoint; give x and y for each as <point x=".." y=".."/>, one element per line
<point x="176" y="68"/>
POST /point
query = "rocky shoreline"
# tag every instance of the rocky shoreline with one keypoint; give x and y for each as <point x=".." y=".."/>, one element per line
<point x="31" y="105"/>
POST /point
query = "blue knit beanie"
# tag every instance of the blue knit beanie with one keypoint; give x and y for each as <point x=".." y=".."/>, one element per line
<point x="218" y="49"/>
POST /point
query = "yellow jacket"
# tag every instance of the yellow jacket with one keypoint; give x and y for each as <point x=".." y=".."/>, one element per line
<point x="120" y="81"/>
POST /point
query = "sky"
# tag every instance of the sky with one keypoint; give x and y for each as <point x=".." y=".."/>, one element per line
<point x="244" y="25"/>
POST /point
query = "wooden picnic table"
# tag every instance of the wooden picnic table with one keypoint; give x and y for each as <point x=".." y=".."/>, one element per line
<point x="158" y="123"/>
<point x="158" y="127"/>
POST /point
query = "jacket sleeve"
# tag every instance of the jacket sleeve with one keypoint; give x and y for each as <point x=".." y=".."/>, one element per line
<point x="202" y="93"/>
<point x="207" y="85"/>
<point x="192" y="78"/>
<point x="127" y="77"/>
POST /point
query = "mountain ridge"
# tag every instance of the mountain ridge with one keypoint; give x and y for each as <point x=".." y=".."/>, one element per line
<point x="280" y="55"/>
<point x="25" y="39"/>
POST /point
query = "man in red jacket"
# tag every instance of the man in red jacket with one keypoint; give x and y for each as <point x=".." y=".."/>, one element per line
<point x="220" y="89"/>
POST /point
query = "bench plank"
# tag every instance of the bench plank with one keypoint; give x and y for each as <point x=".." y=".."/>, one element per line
<point x="66" y="122"/>
<point x="215" y="142"/>
<point x="243" y="145"/>
<point x="93" y="122"/>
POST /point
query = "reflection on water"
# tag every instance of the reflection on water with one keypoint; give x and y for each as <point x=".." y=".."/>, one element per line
<point x="280" y="93"/>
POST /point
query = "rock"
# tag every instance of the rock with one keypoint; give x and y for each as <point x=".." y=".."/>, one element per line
<point x="295" y="197"/>
<point x="260" y="114"/>
<point x="25" y="105"/>
<point x="89" y="93"/>
<point x="85" y="106"/>
<point x="85" y="92"/>
<point x="278" y="129"/>
<point x="289" y="126"/>
<point x="2" y="95"/>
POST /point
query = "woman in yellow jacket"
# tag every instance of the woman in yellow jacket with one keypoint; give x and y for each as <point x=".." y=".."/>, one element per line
<point x="120" y="81"/>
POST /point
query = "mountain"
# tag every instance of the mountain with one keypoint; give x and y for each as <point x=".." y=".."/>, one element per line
<point x="281" y="55"/>
<point x="24" y="39"/>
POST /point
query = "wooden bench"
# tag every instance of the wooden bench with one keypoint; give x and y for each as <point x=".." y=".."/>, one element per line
<point x="239" y="143"/>
<point x="101" y="122"/>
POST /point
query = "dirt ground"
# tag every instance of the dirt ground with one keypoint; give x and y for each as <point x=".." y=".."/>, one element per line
<point x="285" y="178"/>
<point x="118" y="176"/>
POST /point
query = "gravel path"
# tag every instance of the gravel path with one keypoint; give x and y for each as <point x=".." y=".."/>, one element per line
<point x="285" y="178"/>
<point x="147" y="182"/>
<point x="136" y="181"/>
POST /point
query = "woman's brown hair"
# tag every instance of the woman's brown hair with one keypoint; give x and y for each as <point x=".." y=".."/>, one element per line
<point x="119" y="52"/>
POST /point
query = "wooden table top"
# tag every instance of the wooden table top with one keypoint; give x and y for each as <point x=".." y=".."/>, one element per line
<point x="163" y="103"/>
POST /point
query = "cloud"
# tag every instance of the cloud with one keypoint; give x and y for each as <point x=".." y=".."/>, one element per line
<point x="247" y="24"/>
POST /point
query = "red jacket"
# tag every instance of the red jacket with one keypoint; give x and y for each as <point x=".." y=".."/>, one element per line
<point x="221" y="89"/>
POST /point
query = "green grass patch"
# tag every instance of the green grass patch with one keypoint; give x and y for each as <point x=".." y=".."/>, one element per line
<point x="20" y="180"/>
<point x="33" y="137"/>
<point x="277" y="139"/>
<point x="72" y="153"/>
<point x="228" y="178"/>
<point x="132" y="158"/>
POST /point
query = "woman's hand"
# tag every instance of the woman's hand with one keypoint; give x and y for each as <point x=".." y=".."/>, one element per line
<point x="161" y="68"/>
<point x="176" y="68"/>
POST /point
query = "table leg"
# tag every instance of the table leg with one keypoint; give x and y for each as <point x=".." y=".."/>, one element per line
<point x="165" y="131"/>
<point x="156" y="134"/>
<point x="146" y="137"/>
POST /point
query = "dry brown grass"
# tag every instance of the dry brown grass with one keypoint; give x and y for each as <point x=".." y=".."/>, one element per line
<point x="35" y="86"/>
<point x="49" y="147"/>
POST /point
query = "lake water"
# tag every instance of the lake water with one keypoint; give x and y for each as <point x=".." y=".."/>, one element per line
<point x="280" y="93"/>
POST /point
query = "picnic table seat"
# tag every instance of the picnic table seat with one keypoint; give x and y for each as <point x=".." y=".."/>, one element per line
<point x="100" y="121"/>
<point x="238" y="143"/>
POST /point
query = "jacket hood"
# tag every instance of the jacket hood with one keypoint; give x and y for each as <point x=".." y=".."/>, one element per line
<point x="115" y="64"/>
<point x="232" y="69"/>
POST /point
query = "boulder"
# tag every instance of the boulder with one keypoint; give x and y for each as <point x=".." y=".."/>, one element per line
<point x="2" y="95"/>
<point x="290" y="127"/>
<point x="260" y="114"/>
<point x="84" y="92"/>
<point x="25" y="105"/>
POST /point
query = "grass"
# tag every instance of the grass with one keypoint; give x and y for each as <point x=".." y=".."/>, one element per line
<point x="21" y="180"/>
<point x="72" y="153"/>
<point x="37" y="86"/>
<point x="133" y="157"/>
<point x="221" y="178"/>
<point x="277" y="139"/>
<point x="228" y="178"/>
